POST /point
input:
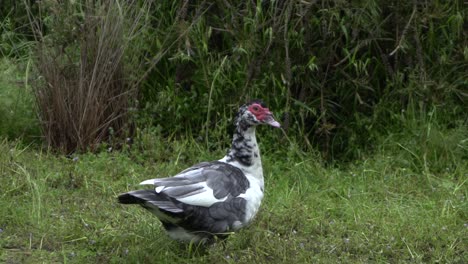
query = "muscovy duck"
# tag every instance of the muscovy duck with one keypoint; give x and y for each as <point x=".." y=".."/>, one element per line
<point x="212" y="199"/>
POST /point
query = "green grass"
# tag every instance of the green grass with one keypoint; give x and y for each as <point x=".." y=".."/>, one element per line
<point x="385" y="208"/>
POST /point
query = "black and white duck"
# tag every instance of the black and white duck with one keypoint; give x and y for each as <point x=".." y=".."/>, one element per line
<point x="212" y="198"/>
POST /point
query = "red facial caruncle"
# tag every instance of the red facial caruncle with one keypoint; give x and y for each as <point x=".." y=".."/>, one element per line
<point x="263" y="114"/>
<point x="259" y="112"/>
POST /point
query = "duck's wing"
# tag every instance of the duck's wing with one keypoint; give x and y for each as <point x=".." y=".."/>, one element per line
<point x="203" y="184"/>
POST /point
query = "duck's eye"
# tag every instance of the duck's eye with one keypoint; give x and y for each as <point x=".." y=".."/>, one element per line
<point x="255" y="108"/>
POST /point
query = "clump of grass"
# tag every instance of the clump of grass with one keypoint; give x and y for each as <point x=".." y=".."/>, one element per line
<point x="87" y="83"/>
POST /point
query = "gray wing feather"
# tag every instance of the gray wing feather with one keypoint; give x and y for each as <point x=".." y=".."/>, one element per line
<point x="149" y="199"/>
<point x="184" y="191"/>
<point x="166" y="205"/>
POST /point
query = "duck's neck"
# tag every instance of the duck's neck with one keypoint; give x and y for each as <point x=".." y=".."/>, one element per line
<point x="244" y="152"/>
<point x="244" y="148"/>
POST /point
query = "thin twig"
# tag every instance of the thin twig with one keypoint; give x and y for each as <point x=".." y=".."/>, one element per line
<point x="287" y="62"/>
<point x="403" y="34"/>
<point x="209" y="97"/>
<point x="323" y="109"/>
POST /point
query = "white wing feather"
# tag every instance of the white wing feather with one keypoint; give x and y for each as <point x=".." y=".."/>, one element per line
<point x="147" y="182"/>
<point x="205" y="198"/>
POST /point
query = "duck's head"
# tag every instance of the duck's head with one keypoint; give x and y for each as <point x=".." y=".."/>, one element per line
<point x="255" y="113"/>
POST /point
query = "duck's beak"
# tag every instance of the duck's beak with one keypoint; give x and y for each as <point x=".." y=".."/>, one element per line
<point x="271" y="121"/>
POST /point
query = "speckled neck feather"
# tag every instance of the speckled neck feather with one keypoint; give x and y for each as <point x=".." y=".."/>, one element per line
<point x="244" y="147"/>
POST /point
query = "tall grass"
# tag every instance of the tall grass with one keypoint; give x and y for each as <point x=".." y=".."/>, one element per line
<point x="88" y="71"/>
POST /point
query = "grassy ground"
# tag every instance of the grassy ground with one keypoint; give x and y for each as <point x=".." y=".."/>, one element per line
<point x="405" y="203"/>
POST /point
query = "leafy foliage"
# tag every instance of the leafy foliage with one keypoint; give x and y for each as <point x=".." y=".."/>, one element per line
<point x="15" y="33"/>
<point x="336" y="69"/>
